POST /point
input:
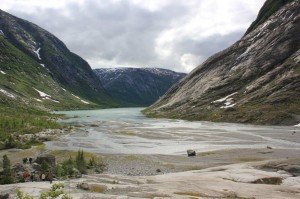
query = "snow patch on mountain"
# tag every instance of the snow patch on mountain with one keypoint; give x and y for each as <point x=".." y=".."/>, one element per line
<point x="228" y="102"/>
<point x="83" y="101"/>
<point x="224" y="98"/>
<point x="45" y="96"/>
<point x="2" y="72"/>
<point x="2" y="33"/>
<point x="43" y="65"/>
<point x="7" y="93"/>
<point x="37" y="52"/>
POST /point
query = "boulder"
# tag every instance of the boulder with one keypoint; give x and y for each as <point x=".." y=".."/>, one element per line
<point x="4" y="196"/>
<point x="191" y="153"/>
<point x="50" y="159"/>
<point x="293" y="169"/>
<point x="83" y="186"/>
<point x="18" y="168"/>
<point x="36" y="166"/>
<point x="76" y="173"/>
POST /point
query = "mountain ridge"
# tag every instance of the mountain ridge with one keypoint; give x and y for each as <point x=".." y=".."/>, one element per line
<point x="137" y="86"/>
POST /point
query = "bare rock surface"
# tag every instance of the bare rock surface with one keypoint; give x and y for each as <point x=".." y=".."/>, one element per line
<point x="231" y="181"/>
<point x="256" y="80"/>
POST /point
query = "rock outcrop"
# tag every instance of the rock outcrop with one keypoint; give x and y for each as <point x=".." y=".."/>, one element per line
<point x="256" y="80"/>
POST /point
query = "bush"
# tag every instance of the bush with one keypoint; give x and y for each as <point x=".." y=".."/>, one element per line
<point x="55" y="192"/>
<point x="68" y="166"/>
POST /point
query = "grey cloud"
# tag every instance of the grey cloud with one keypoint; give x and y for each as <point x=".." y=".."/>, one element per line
<point x="209" y="45"/>
<point x="123" y="32"/>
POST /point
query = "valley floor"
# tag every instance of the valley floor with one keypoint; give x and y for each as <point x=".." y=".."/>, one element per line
<point x="239" y="173"/>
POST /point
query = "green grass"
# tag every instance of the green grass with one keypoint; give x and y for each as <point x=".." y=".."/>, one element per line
<point x="17" y="120"/>
<point x="126" y="133"/>
<point x="250" y="159"/>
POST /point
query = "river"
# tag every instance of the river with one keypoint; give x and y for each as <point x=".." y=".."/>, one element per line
<point x="128" y="131"/>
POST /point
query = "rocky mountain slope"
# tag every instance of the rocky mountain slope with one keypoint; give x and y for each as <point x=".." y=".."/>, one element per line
<point x="256" y="80"/>
<point x="36" y="68"/>
<point x="137" y="86"/>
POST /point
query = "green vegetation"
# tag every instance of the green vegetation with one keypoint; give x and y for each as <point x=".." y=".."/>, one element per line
<point x="126" y="133"/>
<point x="250" y="159"/>
<point x="188" y="193"/>
<point x="81" y="162"/>
<point x="269" y="180"/>
<point x="97" y="188"/>
<point x="8" y="177"/>
<point x="56" y="191"/>
<point x="17" y="120"/>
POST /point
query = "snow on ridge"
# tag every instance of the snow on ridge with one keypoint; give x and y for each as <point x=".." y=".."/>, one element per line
<point x="2" y="72"/>
<point x="7" y="93"/>
<point x="37" y="52"/>
<point x="43" y="65"/>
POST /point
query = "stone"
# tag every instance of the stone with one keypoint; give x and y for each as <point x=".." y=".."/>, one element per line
<point x="36" y="166"/>
<point x="293" y="169"/>
<point x="83" y="186"/>
<point x="76" y="173"/>
<point x="4" y="196"/>
<point x="191" y="153"/>
<point x="50" y="159"/>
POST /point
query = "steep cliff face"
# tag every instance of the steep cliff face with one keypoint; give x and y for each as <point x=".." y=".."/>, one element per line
<point x="256" y="80"/>
<point x="137" y="86"/>
<point x="33" y="59"/>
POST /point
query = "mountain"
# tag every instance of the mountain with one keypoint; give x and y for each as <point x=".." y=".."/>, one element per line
<point x="37" y="69"/>
<point x="137" y="86"/>
<point x="256" y="80"/>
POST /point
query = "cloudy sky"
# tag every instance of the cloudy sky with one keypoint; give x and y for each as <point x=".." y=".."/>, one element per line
<point x="173" y="34"/>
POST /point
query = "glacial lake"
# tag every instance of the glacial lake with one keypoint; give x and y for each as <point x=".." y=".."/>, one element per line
<point x="128" y="131"/>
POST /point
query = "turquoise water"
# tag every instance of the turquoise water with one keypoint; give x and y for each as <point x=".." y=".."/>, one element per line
<point x="128" y="131"/>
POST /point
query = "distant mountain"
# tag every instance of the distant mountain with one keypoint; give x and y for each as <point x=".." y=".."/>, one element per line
<point x="37" y="69"/>
<point x="256" y="80"/>
<point x="137" y="86"/>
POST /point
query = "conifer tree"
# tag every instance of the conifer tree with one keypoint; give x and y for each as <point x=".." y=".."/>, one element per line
<point x="8" y="177"/>
<point x="80" y="162"/>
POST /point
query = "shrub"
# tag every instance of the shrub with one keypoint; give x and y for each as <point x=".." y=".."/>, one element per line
<point x="55" y="192"/>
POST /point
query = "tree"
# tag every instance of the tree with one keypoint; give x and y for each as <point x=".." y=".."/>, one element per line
<point x="44" y="166"/>
<point x="8" y="177"/>
<point x="80" y="162"/>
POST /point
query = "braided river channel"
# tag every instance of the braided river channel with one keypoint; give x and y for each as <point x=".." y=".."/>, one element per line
<point x="128" y="131"/>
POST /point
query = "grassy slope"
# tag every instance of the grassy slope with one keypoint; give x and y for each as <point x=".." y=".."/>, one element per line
<point x="26" y="112"/>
